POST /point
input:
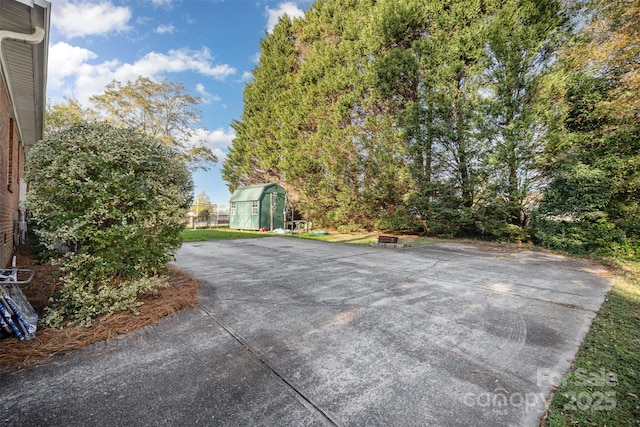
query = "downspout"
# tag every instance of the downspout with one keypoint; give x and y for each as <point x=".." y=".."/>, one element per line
<point x="35" y="38"/>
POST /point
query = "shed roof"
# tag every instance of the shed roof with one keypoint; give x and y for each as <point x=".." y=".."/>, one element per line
<point x="250" y="192"/>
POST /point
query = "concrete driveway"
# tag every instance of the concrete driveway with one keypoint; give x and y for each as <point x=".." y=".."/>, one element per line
<point x="296" y="332"/>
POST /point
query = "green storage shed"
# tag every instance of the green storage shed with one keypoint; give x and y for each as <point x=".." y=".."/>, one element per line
<point x="257" y="206"/>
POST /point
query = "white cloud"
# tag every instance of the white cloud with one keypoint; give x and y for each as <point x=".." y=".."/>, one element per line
<point x="162" y="3"/>
<point x="165" y="29"/>
<point x="188" y="19"/>
<point x="84" y="18"/>
<point x="247" y="76"/>
<point x="207" y="98"/>
<point x="143" y="20"/>
<point x="218" y="140"/>
<point x="64" y="61"/>
<point x="176" y="61"/>
<point x="71" y="71"/>
<point x="288" y="8"/>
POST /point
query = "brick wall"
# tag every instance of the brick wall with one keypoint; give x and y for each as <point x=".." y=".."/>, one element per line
<point x="11" y="172"/>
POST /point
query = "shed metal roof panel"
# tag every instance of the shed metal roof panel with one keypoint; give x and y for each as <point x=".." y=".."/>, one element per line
<point x="250" y="192"/>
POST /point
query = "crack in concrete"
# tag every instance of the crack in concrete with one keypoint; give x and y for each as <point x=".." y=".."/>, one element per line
<point x="256" y="353"/>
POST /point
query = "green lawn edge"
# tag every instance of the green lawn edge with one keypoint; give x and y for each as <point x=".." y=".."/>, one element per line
<point x="204" y="234"/>
<point x="201" y="235"/>
<point x="602" y="387"/>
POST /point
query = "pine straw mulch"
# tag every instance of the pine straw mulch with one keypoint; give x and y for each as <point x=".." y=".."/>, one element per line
<point x="16" y="354"/>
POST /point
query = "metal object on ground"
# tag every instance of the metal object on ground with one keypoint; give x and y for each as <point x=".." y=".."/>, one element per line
<point x="17" y="316"/>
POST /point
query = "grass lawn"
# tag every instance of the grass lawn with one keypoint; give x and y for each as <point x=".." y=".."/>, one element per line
<point x="202" y="234"/>
<point x="367" y="238"/>
<point x="355" y="238"/>
<point x="603" y="385"/>
<point x="199" y="235"/>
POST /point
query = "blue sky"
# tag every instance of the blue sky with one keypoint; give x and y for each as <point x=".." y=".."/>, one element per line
<point x="210" y="47"/>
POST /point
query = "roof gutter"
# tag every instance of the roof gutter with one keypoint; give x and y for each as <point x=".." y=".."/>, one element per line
<point x="36" y="37"/>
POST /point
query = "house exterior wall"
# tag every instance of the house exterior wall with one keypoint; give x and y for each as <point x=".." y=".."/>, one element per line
<point x="11" y="173"/>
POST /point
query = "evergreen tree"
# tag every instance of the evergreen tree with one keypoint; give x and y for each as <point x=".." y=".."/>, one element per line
<point x="403" y="114"/>
<point x="522" y="42"/>
<point x="443" y="126"/>
<point x="392" y="89"/>
<point x="256" y="153"/>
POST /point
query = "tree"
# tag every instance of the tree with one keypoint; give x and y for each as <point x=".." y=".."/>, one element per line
<point x="612" y="51"/>
<point x="329" y="163"/>
<point x="256" y="152"/>
<point x="393" y="81"/>
<point x="202" y="207"/>
<point x="523" y="39"/>
<point x="295" y="125"/>
<point x="161" y="109"/>
<point x="114" y="200"/>
<point x="404" y="114"/>
<point x="59" y="117"/>
<point x="442" y="127"/>
<point x="591" y="204"/>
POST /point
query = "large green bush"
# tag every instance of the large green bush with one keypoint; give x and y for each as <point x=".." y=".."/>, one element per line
<point x="114" y="200"/>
